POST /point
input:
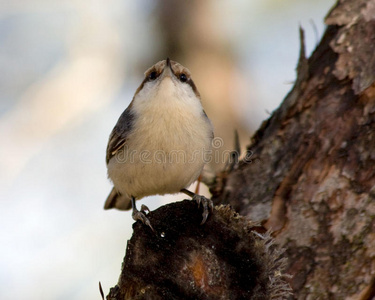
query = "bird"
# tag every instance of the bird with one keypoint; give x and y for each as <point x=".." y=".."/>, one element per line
<point x="160" y="143"/>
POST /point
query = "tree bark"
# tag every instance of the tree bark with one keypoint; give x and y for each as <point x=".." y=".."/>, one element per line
<point x="309" y="172"/>
<point x="226" y="258"/>
<point x="311" y="177"/>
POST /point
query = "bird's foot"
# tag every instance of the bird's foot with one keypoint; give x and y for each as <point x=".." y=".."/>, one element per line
<point x="201" y="200"/>
<point x="141" y="216"/>
<point x="207" y="204"/>
<point x="145" y="209"/>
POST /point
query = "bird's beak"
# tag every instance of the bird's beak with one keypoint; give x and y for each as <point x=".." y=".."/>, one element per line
<point x="168" y="69"/>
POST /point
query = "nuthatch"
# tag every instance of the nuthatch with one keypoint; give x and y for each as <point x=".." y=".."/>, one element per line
<point x="160" y="142"/>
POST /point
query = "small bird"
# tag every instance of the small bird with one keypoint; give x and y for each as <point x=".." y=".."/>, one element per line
<point x="160" y="142"/>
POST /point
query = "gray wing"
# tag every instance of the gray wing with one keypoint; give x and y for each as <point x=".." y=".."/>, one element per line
<point x="119" y="133"/>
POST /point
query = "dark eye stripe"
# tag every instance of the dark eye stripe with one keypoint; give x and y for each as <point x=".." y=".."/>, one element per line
<point x="193" y="87"/>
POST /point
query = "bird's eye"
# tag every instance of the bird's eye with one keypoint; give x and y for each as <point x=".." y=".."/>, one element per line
<point x="183" y="77"/>
<point x="153" y="75"/>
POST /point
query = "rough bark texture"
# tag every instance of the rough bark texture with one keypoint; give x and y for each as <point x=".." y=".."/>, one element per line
<point x="312" y="174"/>
<point x="311" y="177"/>
<point x="226" y="258"/>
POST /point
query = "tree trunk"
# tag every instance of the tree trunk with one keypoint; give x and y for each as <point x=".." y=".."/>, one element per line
<point x="309" y="174"/>
<point x="311" y="177"/>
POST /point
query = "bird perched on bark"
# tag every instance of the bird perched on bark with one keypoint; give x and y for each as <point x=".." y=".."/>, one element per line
<point x="160" y="142"/>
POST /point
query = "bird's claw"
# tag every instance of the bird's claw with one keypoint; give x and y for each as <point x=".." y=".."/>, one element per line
<point x="207" y="204"/>
<point x="145" y="209"/>
<point x="141" y="216"/>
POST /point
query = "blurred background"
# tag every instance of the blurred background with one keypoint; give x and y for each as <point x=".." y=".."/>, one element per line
<point x="69" y="69"/>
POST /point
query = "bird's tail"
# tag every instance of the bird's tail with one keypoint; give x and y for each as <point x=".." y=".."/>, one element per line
<point x="116" y="200"/>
